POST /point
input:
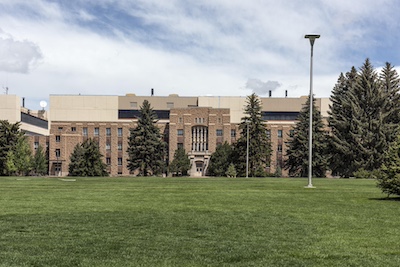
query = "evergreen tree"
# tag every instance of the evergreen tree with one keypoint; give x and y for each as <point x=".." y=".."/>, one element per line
<point x="77" y="165"/>
<point x="86" y="160"/>
<point x="23" y="156"/>
<point x="220" y="160"/>
<point x="40" y="163"/>
<point x="146" y="148"/>
<point x="340" y="120"/>
<point x="259" y="142"/>
<point x="9" y="136"/>
<point x="10" y="168"/>
<point x="369" y="128"/>
<point x="231" y="171"/>
<point x="388" y="180"/>
<point x="180" y="165"/>
<point x="297" y="155"/>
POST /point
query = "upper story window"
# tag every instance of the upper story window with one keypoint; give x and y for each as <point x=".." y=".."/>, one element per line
<point x="60" y="128"/>
<point x="58" y="138"/>
<point x="73" y="129"/>
<point x="108" y="161"/>
<point x="108" y="146"/>
<point x="219" y="132"/>
<point x="268" y="133"/>
<point x="280" y="133"/>
<point x="85" y="131"/>
<point x="119" y="161"/>
<point x="108" y="131"/>
<point x="96" y="131"/>
<point x="233" y="133"/>
<point x="279" y="148"/>
<point x="119" y="146"/>
<point x="119" y="132"/>
<point x="291" y="133"/>
<point x="180" y="132"/>
<point x="36" y="145"/>
<point x="58" y="152"/>
<point x="180" y="120"/>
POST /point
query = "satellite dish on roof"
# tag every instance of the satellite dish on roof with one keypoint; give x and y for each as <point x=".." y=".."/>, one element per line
<point x="43" y="104"/>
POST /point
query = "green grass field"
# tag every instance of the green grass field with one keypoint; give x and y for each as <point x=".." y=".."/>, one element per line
<point x="196" y="222"/>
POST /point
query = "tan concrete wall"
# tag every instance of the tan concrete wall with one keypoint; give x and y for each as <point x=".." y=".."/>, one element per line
<point x="235" y="104"/>
<point x="10" y="108"/>
<point x="157" y="102"/>
<point x="83" y="108"/>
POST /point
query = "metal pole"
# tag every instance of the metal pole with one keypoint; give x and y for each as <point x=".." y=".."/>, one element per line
<point x="247" y="152"/>
<point x="312" y="40"/>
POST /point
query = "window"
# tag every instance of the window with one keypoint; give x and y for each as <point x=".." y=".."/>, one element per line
<point x="180" y="132"/>
<point x="279" y="148"/>
<point x="233" y="133"/>
<point x="133" y="104"/>
<point x="219" y="132"/>
<point x="291" y="133"/>
<point x="108" y="146"/>
<point x="180" y="145"/>
<point x="58" y="138"/>
<point x="85" y="132"/>
<point x="280" y="133"/>
<point x="119" y="146"/>
<point x="60" y="128"/>
<point x="73" y="129"/>
<point x="170" y="104"/>
<point x="58" y="152"/>
<point x="119" y="132"/>
<point x="96" y="131"/>
<point x="268" y="133"/>
<point x="108" y="131"/>
<point x="180" y="120"/>
<point x="219" y="120"/>
<point x="119" y="161"/>
<point x="36" y="145"/>
<point x="108" y="161"/>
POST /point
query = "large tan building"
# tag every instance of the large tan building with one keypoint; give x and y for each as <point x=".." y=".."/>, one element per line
<point x="197" y="124"/>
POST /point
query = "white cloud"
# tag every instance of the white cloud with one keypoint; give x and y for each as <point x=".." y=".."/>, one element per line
<point x="17" y="56"/>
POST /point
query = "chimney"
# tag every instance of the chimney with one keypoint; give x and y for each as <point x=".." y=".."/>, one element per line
<point x="285" y="93"/>
<point x="23" y="102"/>
<point x="270" y="93"/>
<point x="152" y="91"/>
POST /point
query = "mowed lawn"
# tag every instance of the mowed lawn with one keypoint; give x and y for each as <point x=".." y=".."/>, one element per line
<point x="196" y="222"/>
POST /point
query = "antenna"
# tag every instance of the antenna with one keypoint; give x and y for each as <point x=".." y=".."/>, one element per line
<point x="5" y="90"/>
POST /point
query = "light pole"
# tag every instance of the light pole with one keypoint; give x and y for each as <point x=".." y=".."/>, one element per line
<point x="312" y="38"/>
<point x="247" y="151"/>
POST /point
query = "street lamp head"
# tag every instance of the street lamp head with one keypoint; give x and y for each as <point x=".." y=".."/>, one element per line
<point x="312" y="38"/>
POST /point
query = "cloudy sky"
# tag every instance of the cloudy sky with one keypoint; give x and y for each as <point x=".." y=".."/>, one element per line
<point x="202" y="47"/>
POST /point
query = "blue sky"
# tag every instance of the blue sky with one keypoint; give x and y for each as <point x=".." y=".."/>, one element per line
<point x="202" y="47"/>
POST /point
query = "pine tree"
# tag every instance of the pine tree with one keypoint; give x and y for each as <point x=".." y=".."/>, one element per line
<point x="388" y="179"/>
<point x="23" y="157"/>
<point x="39" y="163"/>
<point x="146" y="148"/>
<point x="180" y="165"/>
<point x="340" y="119"/>
<point x="369" y="127"/>
<point x="259" y="142"/>
<point x="86" y="160"/>
<point x="231" y="171"/>
<point x="297" y="155"/>
<point x="220" y="160"/>
<point x="9" y="136"/>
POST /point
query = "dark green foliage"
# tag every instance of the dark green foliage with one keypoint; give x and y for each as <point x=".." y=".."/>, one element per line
<point x="259" y="142"/>
<point x="180" y="165"/>
<point x="363" y="120"/>
<point x="389" y="179"/>
<point x="340" y="119"/>
<point x="9" y="136"/>
<point x="86" y="160"/>
<point x="146" y="148"/>
<point x="39" y="162"/>
<point x="220" y="160"/>
<point x="298" y="145"/>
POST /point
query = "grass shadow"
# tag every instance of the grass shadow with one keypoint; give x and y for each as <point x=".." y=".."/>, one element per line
<point x="386" y="198"/>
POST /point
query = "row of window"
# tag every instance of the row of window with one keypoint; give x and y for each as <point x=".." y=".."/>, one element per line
<point x="108" y="159"/>
<point x="96" y="131"/>
<point x="135" y="105"/>
<point x="219" y="132"/>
